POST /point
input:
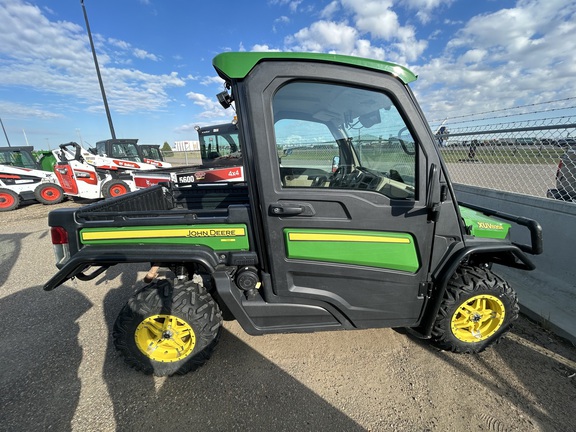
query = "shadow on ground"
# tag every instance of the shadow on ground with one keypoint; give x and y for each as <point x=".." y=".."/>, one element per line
<point x="238" y="389"/>
<point x="40" y="356"/>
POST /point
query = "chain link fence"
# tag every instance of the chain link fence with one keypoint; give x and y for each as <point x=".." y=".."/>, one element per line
<point x="531" y="157"/>
<point x="183" y="158"/>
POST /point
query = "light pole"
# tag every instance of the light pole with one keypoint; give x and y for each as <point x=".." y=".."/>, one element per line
<point x="79" y="136"/>
<point x="98" y="73"/>
<point x="5" y="134"/>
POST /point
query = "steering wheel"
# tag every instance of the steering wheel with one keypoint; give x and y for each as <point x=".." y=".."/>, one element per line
<point x="337" y="177"/>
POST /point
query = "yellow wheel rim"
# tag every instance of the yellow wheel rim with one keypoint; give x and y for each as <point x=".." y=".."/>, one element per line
<point x="165" y="338"/>
<point x="478" y="318"/>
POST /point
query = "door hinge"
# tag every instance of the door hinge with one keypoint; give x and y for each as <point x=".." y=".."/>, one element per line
<point x="425" y="289"/>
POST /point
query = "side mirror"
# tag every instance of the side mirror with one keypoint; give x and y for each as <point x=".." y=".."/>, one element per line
<point x="225" y="99"/>
<point x="285" y="152"/>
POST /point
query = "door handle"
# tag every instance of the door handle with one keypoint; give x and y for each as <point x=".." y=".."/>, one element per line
<point x="278" y="209"/>
<point x="291" y="208"/>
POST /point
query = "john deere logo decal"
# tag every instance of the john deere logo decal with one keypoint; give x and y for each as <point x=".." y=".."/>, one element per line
<point x="217" y="237"/>
<point x="215" y="233"/>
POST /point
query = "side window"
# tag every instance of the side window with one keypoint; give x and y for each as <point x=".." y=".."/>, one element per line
<point x="342" y="137"/>
<point x="101" y="149"/>
<point x="307" y="152"/>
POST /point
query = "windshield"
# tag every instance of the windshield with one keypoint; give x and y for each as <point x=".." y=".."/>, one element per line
<point x="151" y="152"/>
<point x="17" y="158"/>
<point x="120" y="150"/>
<point x="218" y="141"/>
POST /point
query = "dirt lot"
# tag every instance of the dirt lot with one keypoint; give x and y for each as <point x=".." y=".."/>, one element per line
<point x="61" y="373"/>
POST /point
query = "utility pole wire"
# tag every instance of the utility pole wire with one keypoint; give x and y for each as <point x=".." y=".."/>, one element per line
<point x="509" y="109"/>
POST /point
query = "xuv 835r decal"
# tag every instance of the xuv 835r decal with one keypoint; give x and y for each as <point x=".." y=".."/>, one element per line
<point x="483" y="226"/>
<point x="395" y="251"/>
<point x="218" y="237"/>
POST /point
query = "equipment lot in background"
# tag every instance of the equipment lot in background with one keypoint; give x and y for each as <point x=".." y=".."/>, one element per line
<point x="58" y="374"/>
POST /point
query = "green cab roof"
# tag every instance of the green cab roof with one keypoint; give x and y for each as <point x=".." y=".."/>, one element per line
<point x="236" y="65"/>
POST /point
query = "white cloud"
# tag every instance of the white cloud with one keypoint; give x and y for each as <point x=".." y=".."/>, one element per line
<point x="55" y="57"/>
<point x="525" y="54"/>
<point x="202" y="100"/>
<point x="330" y="10"/>
<point x="126" y="47"/>
<point x="380" y="21"/>
<point x="142" y="54"/>
<point x="263" y="48"/>
<point x="366" y="27"/>
<point x="374" y="16"/>
<point x="473" y="56"/>
<point x="211" y="108"/>
<point x="365" y="49"/>
<point x="119" y="44"/>
<point x="325" y="36"/>
<point x="210" y="80"/>
<point x="292" y="4"/>
<point x="531" y="29"/>
<point x="16" y="110"/>
<point x="425" y="8"/>
<point x="282" y="20"/>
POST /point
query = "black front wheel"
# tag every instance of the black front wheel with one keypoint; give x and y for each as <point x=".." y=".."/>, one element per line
<point x="166" y="329"/>
<point x="477" y="309"/>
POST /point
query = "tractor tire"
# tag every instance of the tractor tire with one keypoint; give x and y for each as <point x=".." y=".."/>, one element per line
<point x="49" y="193"/>
<point x="167" y="329"/>
<point x="477" y="309"/>
<point x="114" y="188"/>
<point x="9" y="200"/>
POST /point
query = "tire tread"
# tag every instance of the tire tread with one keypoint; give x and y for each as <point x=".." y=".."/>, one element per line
<point x="161" y="297"/>
<point x="467" y="282"/>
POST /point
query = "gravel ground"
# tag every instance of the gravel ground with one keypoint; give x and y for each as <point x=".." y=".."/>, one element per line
<point x="61" y="373"/>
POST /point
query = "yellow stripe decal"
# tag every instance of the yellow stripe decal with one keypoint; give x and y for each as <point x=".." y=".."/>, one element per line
<point x="162" y="233"/>
<point x="345" y="238"/>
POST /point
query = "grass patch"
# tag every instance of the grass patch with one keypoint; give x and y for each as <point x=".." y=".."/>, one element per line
<point x="504" y="155"/>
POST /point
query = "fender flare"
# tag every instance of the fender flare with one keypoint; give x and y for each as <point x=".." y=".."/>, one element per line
<point x="442" y="276"/>
<point x="103" y="258"/>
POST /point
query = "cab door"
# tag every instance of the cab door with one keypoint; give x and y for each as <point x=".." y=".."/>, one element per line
<point x="341" y="181"/>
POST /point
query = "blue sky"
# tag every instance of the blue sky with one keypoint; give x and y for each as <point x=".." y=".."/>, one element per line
<point x="155" y="57"/>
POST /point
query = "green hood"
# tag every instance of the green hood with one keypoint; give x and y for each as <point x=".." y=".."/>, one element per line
<point x="483" y="226"/>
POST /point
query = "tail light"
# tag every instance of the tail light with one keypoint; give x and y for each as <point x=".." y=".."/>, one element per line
<point x="60" y="244"/>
